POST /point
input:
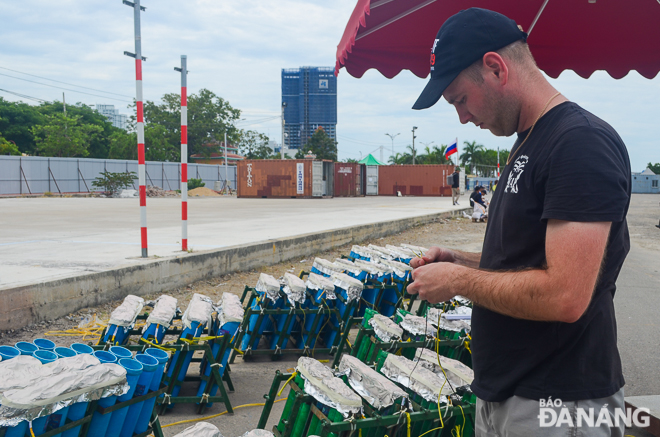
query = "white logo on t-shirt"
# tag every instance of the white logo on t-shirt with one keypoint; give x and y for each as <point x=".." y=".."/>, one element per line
<point x="512" y="181"/>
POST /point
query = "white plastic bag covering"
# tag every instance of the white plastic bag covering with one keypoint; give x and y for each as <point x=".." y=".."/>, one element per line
<point x="379" y="391"/>
<point x="458" y="373"/>
<point x="313" y="370"/>
<point x="124" y="315"/>
<point x="352" y="286"/>
<point x="415" y="249"/>
<point x="385" y="328"/>
<point x="269" y="285"/>
<point x="201" y="429"/>
<point x="436" y="317"/>
<point x="399" y="268"/>
<point x="362" y="251"/>
<point x="231" y="309"/>
<point x="163" y="312"/>
<point x="384" y="252"/>
<point x="259" y="433"/>
<point x="199" y="310"/>
<point x="373" y="268"/>
<point x="415" y="377"/>
<point x="416" y="325"/>
<point x="348" y="266"/>
<point x="53" y="392"/>
<point x="294" y="288"/>
<point x="403" y="252"/>
<point x="326" y="267"/>
<point x="24" y="370"/>
<point x="318" y="282"/>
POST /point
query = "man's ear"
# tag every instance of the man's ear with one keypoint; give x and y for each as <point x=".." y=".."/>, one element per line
<point x="495" y="68"/>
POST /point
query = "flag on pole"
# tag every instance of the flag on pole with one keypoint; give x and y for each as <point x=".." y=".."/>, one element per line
<point x="453" y="148"/>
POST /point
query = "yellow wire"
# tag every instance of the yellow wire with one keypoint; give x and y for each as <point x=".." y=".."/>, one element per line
<point x="166" y="349"/>
<point x="408" y="417"/>
<point x="218" y="415"/>
<point x="286" y="383"/>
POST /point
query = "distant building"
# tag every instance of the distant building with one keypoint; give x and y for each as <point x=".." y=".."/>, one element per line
<point x="218" y="158"/>
<point x="310" y="94"/>
<point x="646" y="182"/>
<point x="113" y="115"/>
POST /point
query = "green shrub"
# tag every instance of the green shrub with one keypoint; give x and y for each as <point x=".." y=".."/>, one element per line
<point x="195" y="183"/>
<point x="113" y="182"/>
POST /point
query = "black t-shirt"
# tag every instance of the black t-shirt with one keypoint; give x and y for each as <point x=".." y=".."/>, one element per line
<point x="476" y="197"/>
<point x="574" y="167"/>
<point x="455" y="184"/>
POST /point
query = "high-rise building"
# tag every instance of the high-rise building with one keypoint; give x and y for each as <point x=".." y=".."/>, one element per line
<point x="310" y="94"/>
<point x="113" y="115"/>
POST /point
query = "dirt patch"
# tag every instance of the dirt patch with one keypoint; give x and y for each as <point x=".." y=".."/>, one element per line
<point x="202" y="191"/>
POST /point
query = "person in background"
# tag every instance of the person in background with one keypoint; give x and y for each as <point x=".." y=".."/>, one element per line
<point x="455" y="186"/>
<point x="479" y="214"/>
<point x="494" y="186"/>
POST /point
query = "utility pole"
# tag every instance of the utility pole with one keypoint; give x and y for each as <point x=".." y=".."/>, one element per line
<point x="226" y="169"/>
<point x="381" y="153"/>
<point x="283" y="134"/>
<point x="392" y="136"/>
<point x="413" y="143"/>
<point x="184" y="151"/>
<point x="140" y="120"/>
<point x="64" y="103"/>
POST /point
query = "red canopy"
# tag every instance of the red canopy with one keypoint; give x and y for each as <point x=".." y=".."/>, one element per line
<point x="581" y="35"/>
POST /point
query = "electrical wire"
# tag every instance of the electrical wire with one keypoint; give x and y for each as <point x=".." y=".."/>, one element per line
<point x="65" y="83"/>
<point x="62" y="88"/>
<point x="25" y="96"/>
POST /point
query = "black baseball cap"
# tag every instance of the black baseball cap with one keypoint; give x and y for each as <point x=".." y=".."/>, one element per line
<point x="462" y="40"/>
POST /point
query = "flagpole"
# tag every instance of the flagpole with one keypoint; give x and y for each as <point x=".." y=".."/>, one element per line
<point x="456" y="151"/>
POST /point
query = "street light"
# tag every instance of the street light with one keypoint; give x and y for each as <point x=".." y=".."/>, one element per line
<point x="392" y="136"/>
<point x="413" y="143"/>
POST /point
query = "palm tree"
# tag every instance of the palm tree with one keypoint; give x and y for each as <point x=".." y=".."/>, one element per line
<point x="470" y="153"/>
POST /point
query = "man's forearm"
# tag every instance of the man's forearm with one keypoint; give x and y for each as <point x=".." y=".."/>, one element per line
<point x="467" y="259"/>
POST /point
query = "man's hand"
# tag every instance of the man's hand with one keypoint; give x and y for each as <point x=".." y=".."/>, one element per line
<point x="433" y="282"/>
<point x="434" y="255"/>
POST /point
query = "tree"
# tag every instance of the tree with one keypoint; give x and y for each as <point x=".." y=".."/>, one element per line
<point x="16" y="119"/>
<point x="254" y="145"/>
<point x="62" y="136"/>
<point x="8" y="148"/>
<point x="113" y="182"/>
<point x="99" y="144"/>
<point x="209" y="117"/>
<point x="123" y="145"/>
<point x="655" y="168"/>
<point x="471" y="154"/>
<point x="350" y="160"/>
<point x="321" y="145"/>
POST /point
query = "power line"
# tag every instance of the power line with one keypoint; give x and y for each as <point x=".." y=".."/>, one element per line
<point x="36" y="99"/>
<point x="65" y="83"/>
<point x="369" y="143"/>
<point x="62" y="88"/>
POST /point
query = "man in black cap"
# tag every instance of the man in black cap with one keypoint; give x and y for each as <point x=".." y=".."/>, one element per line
<point x="543" y="324"/>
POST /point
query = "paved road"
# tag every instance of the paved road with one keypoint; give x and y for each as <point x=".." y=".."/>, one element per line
<point x="52" y="238"/>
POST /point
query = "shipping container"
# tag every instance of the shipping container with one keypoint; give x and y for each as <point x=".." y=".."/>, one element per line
<point x="348" y="179"/>
<point x="414" y="180"/>
<point x="371" y="180"/>
<point x="284" y="178"/>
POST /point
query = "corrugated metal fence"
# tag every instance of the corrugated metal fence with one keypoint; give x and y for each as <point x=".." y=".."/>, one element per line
<point x="36" y="174"/>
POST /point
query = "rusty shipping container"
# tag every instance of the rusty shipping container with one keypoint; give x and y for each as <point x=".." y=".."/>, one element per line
<point x="414" y="180"/>
<point x="274" y="178"/>
<point x="348" y="179"/>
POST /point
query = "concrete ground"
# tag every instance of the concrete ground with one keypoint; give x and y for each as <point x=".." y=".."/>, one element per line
<point x="54" y="238"/>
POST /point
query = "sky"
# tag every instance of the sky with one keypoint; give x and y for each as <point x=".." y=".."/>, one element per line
<point x="237" y="49"/>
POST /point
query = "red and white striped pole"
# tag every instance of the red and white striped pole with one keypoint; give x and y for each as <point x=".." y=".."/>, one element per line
<point x="184" y="152"/>
<point x="498" y="162"/>
<point x="140" y="122"/>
